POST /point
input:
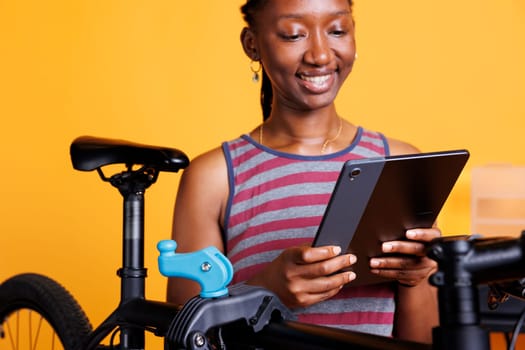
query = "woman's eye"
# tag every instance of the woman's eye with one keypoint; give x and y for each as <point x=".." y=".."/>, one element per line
<point x="291" y="37"/>
<point x="338" y="32"/>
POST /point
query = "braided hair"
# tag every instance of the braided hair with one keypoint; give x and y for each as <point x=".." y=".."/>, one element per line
<point x="249" y="10"/>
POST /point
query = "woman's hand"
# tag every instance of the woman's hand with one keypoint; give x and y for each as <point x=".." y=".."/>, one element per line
<point x="412" y="266"/>
<point x="302" y="276"/>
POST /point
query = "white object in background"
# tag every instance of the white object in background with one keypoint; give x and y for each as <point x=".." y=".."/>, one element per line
<point x="498" y="200"/>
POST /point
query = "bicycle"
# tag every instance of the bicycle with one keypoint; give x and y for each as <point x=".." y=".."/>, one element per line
<point x="222" y="316"/>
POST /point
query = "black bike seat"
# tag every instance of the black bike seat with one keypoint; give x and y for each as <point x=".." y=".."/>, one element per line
<point x="89" y="153"/>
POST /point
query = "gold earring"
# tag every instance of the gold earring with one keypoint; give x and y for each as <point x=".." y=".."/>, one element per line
<point x="255" y="70"/>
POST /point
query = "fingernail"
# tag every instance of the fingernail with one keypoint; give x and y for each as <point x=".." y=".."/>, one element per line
<point x="374" y="263"/>
<point x="351" y="276"/>
<point x="336" y="250"/>
<point x="387" y="247"/>
<point x="411" y="234"/>
<point x="353" y="259"/>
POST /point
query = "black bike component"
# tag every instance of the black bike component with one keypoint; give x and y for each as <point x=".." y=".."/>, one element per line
<point x="153" y="316"/>
<point x="286" y="335"/>
<point x="90" y="153"/>
<point x="49" y="299"/>
<point x="502" y="290"/>
<point x="501" y="315"/>
<point x="255" y="306"/>
<point x="464" y="262"/>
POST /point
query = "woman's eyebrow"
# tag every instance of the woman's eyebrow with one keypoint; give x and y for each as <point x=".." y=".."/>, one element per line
<point x="301" y="15"/>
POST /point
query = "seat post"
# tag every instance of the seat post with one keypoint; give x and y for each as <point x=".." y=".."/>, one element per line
<point x="132" y="185"/>
<point x="133" y="272"/>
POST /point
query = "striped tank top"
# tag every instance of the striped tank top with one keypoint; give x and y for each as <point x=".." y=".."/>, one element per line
<point x="276" y="201"/>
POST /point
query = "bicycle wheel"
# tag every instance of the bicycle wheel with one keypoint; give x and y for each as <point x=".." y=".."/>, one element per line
<point x="38" y="313"/>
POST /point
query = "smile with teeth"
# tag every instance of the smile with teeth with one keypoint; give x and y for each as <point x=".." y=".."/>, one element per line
<point x="317" y="80"/>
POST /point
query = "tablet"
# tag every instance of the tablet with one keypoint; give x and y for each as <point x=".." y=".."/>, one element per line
<point x="378" y="199"/>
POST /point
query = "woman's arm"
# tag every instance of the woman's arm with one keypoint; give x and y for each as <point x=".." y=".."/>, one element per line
<point x="199" y="204"/>
<point x="416" y="312"/>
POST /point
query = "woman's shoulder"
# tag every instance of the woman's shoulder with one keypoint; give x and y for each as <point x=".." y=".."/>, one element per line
<point x="214" y="160"/>
<point x="209" y="160"/>
<point x="208" y="166"/>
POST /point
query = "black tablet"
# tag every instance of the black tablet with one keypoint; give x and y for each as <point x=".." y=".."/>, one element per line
<point x="378" y="199"/>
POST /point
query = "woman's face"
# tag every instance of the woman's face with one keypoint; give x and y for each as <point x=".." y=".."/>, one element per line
<point x="307" y="48"/>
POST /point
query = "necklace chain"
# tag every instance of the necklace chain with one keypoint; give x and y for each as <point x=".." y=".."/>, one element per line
<point x="325" y="143"/>
<point x="328" y="141"/>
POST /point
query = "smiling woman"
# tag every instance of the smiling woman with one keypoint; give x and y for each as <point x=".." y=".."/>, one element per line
<point x="260" y="197"/>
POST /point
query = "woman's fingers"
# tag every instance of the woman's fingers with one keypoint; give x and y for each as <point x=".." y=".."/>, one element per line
<point x="409" y="264"/>
<point x="405" y="247"/>
<point x="308" y="255"/>
<point x="407" y="270"/>
<point x="311" y="291"/>
<point x="416" y="243"/>
<point x="304" y="275"/>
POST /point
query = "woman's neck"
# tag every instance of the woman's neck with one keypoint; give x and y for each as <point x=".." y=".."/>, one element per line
<point x="304" y="133"/>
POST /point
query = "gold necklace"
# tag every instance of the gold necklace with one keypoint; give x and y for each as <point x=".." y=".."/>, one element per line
<point x="325" y="143"/>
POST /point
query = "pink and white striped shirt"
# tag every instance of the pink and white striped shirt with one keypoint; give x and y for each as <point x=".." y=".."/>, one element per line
<point x="276" y="201"/>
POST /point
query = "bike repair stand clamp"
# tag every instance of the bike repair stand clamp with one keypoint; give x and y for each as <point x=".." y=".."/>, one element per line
<point x="216" y="304"/>
<point x="459" y="318"/>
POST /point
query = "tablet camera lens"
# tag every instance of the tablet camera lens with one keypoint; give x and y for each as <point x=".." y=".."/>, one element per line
<point x="354" y="172"/>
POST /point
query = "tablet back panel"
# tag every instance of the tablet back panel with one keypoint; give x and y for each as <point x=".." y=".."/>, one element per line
<point x="378" y="199"/>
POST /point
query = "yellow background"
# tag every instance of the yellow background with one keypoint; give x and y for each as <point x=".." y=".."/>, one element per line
<point x="439" y="74"/>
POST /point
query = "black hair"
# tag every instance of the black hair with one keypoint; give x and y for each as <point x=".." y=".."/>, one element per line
<point x="248" y="10"/>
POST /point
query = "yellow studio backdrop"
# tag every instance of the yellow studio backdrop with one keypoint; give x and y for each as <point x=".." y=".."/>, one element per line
<point x="441" y="75"/>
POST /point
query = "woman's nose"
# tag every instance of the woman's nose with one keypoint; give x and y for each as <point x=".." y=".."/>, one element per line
<point x="318" y="51"/>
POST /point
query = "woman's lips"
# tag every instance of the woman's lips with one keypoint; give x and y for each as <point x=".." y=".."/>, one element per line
<point x="317" y="83"/>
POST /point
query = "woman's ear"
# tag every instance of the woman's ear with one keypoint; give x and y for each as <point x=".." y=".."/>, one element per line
<point x="248" y="44"/>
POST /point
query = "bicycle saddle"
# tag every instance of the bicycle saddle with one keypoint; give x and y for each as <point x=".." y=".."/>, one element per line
<point x="90" y="153"/>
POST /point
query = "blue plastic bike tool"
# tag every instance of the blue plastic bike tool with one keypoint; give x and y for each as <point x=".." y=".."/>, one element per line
<point x="208" y="266"/>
